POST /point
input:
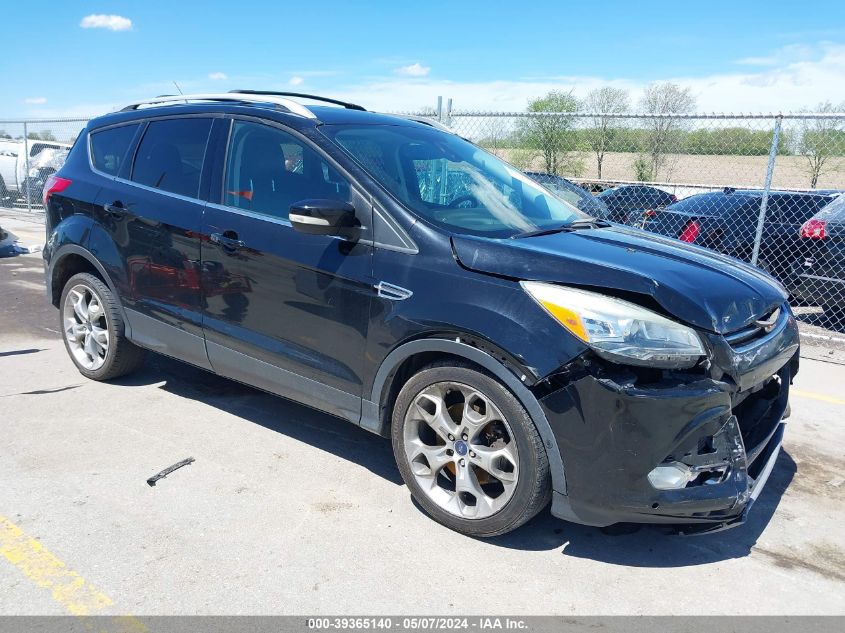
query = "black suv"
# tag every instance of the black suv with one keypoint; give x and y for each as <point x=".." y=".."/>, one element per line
<point x="515" y="350"/>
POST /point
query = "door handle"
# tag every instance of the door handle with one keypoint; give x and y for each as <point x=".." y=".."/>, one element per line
<point x="115" y="209"/>
<point x="229" y="241"/>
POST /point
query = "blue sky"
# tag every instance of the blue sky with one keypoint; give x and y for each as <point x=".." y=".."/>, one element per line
<point x="735" y="56"/>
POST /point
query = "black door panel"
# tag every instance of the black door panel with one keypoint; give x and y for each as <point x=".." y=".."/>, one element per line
<point x="285" y="310"/>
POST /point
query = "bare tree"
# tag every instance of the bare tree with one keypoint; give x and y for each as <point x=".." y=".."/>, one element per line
<point x="550" y="132"/>
<point x="496" y="136"/>
<point x="662" y="132"/>
<point x="821" y="139"/>
<point x="602" y="131"/>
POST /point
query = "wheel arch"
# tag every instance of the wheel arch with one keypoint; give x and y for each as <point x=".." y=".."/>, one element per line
<point x="71" y="259"/>
<point x="411" y="356"/>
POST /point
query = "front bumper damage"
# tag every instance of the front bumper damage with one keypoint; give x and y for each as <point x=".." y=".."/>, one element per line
<point x="722" y="428"/>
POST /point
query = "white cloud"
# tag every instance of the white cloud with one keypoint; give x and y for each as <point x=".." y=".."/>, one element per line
<point x="295" y="80"/>
<point x="35" y="100"/>
<point x="102" y="21"/>
<point x="218" y="76"/>
<point x="414" y="70"/>
<point x="798" y="77"/>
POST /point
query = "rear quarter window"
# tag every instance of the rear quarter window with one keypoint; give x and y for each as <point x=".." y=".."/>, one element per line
<point x="109" y="148"/>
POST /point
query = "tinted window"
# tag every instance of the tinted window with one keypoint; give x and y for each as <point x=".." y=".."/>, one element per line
<point x="795" y="209"/>
<point x="170" y="155"/>
<point x="109" y="147"/>
<point x="268" y="170"/>
<point x="835" y="211"/>
<point x="717" y="204"/>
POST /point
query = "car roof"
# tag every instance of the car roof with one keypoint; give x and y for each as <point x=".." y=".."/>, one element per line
<point x="324" y="115"/>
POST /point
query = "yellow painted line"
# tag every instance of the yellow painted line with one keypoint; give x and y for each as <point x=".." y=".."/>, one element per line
<point x="816" y="396"/>
<point x="42" y="567"/>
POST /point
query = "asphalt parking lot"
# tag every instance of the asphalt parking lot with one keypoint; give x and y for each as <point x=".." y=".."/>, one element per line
<point x="289" y="511"/>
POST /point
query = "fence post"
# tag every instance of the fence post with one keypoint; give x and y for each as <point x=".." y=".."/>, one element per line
<point x="449" y="112"/>
<point x="764" y="203"/>
<point x="26" y="173"/>
<point x="440" y="109"/>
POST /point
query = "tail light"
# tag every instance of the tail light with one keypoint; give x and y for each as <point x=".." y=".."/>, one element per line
<point x="650" y="213"/>
<point x="54" y="184"/>
<point x="673" y="197"/>
<point x="814" y="229"/>
<point x="690" y="232"/>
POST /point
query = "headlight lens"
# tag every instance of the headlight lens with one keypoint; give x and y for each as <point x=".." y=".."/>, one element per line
<point x="619" y="330"/>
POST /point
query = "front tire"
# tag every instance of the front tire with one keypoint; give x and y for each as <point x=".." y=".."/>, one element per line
<point x="468" y="451"/>
<point x="93" y="330"/>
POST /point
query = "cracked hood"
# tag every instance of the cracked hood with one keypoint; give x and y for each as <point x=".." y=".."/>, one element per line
<point x="700" y="287"/>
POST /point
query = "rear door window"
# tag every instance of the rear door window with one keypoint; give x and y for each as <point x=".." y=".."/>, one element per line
<point x="171" y="154"/>
<point x="109" y="148"/>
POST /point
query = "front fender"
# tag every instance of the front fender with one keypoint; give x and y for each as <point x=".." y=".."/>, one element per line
<point x="371" y="419"/>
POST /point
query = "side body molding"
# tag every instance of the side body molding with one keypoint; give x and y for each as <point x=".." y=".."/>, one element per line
<point x="370" y="410"/>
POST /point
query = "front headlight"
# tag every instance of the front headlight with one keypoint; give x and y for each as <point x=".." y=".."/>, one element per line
<point x="33" y="173"/>
<point x="619" y="330"/>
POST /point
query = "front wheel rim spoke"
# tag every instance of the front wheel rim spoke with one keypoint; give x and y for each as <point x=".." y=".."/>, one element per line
<point x="439" y="421"/>
<point x="435" y="456"/>
<point x="101" y="337"/>
<point x="488" y="459"/>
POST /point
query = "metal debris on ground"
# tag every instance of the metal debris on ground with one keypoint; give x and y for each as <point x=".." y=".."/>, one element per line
<point x="164" y="473"/>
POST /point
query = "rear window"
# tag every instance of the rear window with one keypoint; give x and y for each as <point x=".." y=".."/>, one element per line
<point x="795" y="209"/>
<point x="715" y="204"/>
<point x="170" y="155"/>
<point x="109" y="148"/>
<point x="835" y="211"/>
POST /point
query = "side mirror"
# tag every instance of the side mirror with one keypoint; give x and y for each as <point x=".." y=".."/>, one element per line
<point x="324" y="217"/>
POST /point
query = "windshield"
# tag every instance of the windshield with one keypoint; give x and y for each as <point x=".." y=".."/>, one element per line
<point x="451" y="182"/>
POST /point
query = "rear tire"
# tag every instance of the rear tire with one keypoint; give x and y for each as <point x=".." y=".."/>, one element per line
<point x="493" y="475"/>
<point x="93" y="330"/>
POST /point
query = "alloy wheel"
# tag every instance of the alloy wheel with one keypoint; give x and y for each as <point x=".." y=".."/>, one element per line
<point x="461" y="450"/>
<point x="86" y="327"/>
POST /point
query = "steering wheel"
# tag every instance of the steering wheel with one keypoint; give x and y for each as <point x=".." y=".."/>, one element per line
<point x="460" y="202"/>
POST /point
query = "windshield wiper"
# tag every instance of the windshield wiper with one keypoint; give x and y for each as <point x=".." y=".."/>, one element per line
<point x="575" y="225"/>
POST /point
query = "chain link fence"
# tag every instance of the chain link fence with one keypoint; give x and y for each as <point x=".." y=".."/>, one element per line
<point x="762" y="188"/>
<point x="30" y="151"/>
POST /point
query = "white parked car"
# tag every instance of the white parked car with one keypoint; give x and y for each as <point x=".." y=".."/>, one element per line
<point x="13" y="163"/>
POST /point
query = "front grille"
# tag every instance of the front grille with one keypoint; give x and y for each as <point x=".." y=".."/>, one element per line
<point x="751" y="333"/>
<point x="759" y="413"/>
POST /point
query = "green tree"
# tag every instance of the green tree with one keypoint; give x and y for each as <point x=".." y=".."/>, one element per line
<point x="602" y="130"/>
<point x="47" y="135"/>
<point x="33" y="136"/>
<point x="550" y="132"/>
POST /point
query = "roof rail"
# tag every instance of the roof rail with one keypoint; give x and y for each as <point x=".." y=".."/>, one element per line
<point x="430" y="121"/>
<point x="302" y="95"/>
<point x="288" y="104"/>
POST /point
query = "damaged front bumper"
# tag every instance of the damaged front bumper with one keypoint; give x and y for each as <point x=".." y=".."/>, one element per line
<point x="668" y="447"/>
